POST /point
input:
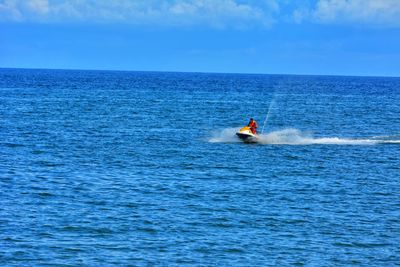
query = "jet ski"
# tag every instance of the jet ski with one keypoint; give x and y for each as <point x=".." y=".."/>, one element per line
<point x="247" y="135"/>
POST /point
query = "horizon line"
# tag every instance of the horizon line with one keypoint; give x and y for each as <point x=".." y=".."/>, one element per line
<point x="202" y="72"/>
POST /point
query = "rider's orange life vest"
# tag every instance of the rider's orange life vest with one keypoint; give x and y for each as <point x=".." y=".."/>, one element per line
<point x="253" y="124"/>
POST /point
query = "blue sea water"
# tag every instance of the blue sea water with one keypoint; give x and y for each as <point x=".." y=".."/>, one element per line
<point x="103" y="168"/>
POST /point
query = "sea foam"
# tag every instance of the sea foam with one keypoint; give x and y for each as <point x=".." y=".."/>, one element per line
<point x="292" y="136"/>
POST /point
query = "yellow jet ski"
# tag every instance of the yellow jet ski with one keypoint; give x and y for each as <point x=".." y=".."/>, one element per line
<point x="247" y="135"/>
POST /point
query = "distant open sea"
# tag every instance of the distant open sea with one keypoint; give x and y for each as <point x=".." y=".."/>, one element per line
<point x="112" y="168"/>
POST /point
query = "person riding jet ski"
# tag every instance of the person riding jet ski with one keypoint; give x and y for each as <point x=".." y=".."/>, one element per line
<point x="249" y="132"/>
<point x="253" y="126"/>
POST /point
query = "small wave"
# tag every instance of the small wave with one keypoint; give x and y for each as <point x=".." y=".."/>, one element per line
<point x="390" y="138"/>
<point x="390" y="141"/>
<point x="297" y="137"/>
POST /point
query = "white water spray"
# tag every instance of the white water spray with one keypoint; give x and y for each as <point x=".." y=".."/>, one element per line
<point x="267" y="117"/>
<point x="227" y="135"/>
<point x="296" y="137"/>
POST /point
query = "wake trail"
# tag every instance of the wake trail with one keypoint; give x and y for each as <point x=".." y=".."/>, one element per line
<point x="296" y="137"/>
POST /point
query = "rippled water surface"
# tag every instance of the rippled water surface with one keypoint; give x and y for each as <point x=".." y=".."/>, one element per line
<point x="143" y="169"/>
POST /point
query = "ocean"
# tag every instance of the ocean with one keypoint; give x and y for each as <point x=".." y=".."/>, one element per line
<point x="114" y="168"/>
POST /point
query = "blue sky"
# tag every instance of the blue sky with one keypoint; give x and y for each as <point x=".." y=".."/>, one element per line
<point x="339" y="37"/>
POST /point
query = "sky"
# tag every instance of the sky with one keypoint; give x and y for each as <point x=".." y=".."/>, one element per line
<point x="316" y="37"/>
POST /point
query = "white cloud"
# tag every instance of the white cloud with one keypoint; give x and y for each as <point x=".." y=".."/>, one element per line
<point x="215" y="13"/>
<point x="371" y="12"/>
<point x="17" y="10"/>
<point x="38" y="6"/>
<point x="9" y="11"/>
<point x="220" y="13"/>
